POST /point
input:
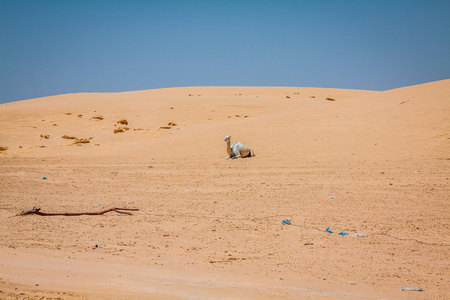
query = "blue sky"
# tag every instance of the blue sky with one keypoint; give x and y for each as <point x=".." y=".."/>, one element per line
<point x="60" y="46"/>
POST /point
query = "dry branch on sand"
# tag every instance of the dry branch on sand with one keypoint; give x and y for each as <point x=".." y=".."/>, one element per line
<point x="37" y="211"/>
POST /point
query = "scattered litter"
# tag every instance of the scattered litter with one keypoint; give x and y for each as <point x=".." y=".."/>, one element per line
<point x="351" y="282"/>
<point x="328" y="230"/>
<point x="286" y="222"/>
<point x="331" y="197"/>
<point x="171" y="107"/>
<point x="12" y="247"/>
<point x="413" y="288"/>
<point x="150" y="166"/>
<point x="45" y="178"/>
<point x="360" y="234"/>
<point x="343" y="233"/>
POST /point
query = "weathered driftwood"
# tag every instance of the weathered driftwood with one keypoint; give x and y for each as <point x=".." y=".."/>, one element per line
<point x="37" y="211"/>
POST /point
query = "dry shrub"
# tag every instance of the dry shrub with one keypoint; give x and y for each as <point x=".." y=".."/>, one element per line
<point x="118" y="130"/>
<point x="97" y="117"/>
<point x="330" y="99"/>
<point x="123" y="122"/>
<point x="69" y="137"/>
<point x="45" y="136"/>
<point x="121" y="129"/>
<point x="81" y="141"/>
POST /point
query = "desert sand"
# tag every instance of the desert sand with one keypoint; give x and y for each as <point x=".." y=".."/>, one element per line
<point x="347" y="197"/>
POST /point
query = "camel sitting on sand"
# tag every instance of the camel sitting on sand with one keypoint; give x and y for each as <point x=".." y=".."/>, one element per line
<point x="238" y="149"/>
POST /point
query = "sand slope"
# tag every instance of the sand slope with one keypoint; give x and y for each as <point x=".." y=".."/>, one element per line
<point x="356" y="121"/>
<point x="362" y="162"/>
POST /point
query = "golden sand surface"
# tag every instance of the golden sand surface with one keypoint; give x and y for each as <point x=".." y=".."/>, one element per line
<point x="371" y="166"/>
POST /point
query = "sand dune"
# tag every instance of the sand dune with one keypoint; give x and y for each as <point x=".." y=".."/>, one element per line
<point x="356" y="122"/>
<point x="360" y="162"/>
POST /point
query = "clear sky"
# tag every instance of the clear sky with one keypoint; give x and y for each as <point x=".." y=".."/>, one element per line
<point x="62" y="46"/>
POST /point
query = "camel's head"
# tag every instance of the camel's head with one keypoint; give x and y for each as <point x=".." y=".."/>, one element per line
<point x="227" y="138"/>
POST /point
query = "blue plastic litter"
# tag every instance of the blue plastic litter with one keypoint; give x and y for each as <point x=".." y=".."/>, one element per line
<point x="45" y="178"/>
<point x="343" y="233"/>
<point x="286" y="222"/>
<point x="328" y="230"/>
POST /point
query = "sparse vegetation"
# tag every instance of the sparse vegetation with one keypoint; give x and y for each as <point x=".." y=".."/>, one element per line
<point x="81" y="141"/>
<point x="118" y="130"/>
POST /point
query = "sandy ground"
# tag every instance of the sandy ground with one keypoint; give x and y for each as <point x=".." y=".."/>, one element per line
<point x="373" y="166"/>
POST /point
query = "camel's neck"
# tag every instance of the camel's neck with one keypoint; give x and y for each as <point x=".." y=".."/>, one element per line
<point x="228" y="147"/>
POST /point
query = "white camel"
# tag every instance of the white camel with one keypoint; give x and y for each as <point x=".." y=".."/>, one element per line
<point x="238" y="149"/>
